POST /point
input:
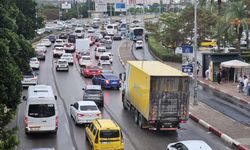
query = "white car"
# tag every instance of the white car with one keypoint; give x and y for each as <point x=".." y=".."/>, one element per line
<point x="59" y="42"/>
<point x="40" y="31"/>
<point x="106" y="67"/>
<point x="91" y="30"/>
<point x="58" y="52"/>
<point x="69" y="47"/>
<point x="84" y="112"/>
<point x="46" y="42"/>
<point x="110" y="56"/>
<point x="99" y="51"/>
<point x="189" y="145"/>
<point x="29" y="78"/>
<point x="69" y="57"/>
<point x="62" y="65"/>
<point x="85" y="60"/>
<point x="34" y="63"/>
<point x="107" y="38"/>
<point x="139" y="44"/>
<point x="104" y="58"/>
<point x="41" y="47"/>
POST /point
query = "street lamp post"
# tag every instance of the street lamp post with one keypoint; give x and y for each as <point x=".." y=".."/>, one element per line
<point x="195" y="101"/>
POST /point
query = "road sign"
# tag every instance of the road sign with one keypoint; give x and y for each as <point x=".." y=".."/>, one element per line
<point x="188" y="69"/>
<point x="120" y="7"/>
<point x="187" y="49"/>
<point x="66" y="5"/>
<point x="100" y="7"/>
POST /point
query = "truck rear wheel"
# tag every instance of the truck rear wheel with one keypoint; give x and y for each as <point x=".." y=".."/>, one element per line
<point x="141" y="121"/>
<point x="124" y="105"/>
<point x="135" y="116"/>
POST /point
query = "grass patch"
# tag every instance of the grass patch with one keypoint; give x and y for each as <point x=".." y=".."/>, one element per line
<point x="163" y="53"/>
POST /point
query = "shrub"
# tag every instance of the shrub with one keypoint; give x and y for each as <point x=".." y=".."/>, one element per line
<point x="163" y="53"/>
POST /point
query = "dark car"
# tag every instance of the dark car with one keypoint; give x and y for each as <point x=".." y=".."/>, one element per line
<point x="117" y="37"/>
<point x="52" y="38"/>
<point x="40" y="55"/>
<point x="93" y="93"/>
<point x="72" y="38"/>
<point x="107" y="81"/>
<point x="63" y="35"/>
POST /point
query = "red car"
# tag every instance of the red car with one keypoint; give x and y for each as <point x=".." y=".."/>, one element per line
<point x="91" y="71"/>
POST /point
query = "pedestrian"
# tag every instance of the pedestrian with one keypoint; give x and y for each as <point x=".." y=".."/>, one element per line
<point x="198" y="67"/>
<point x="218" y="76"/>
<point x="245" y="81"/>
<point x="207" y="74"/>
<point x="240" y="86"/>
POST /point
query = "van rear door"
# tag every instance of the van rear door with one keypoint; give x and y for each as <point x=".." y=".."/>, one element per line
<point x="42" y="117"/>
<point x="110" y="139"/>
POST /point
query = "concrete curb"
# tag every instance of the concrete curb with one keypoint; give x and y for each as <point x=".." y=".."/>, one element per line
<point x="218" y="133"/>
<point x="119" y="56"/>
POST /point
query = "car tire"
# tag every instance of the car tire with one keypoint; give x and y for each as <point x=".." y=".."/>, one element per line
<point x="141" y="121"/>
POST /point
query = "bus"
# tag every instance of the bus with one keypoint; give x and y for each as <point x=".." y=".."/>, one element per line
<point x="111" y="29"/>
<point x="136" y="33"/>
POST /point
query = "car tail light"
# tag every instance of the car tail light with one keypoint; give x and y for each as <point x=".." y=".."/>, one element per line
<point x="26" y="121"/>
<point x="80" y="115"/>
<point x="99" y="115"/>
<point x="57" y="120"/>
<point x="34" y="78"/>
<point x="107" y="81"/>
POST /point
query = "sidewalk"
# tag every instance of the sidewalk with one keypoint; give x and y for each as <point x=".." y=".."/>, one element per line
<point x="229" y="130"/>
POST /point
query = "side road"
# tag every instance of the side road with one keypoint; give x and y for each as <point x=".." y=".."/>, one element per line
<point x="230" y="131"/>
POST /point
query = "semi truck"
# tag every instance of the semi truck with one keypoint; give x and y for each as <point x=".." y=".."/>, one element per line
<point x="156" y="94"/>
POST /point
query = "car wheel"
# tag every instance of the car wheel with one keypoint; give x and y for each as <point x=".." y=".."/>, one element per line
<point x="140" y="121"/>
<point x="75" y="122"/>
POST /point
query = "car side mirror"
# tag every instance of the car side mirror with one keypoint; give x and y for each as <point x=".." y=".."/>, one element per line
<point x="71" y="105"/>
<point x="24" y="98"/>
<point x="55" y="97"/>
<point x="120" y="76"/>
<point x="83" y="88"/>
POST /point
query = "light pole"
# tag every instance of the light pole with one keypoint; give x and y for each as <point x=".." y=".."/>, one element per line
<point x="195" y="102"/>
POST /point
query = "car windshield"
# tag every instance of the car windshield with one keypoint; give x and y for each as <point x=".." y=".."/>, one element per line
<point x="92" y="67"/>
<point x="58" y="41"/>
<point x="41" y="110"/>
<point x="101" y="50"/>
<point x="28" y="74"/>
<point x="62" y="62"/>
<point x="85" y="58"/>
<point x="180" y="146"/>
<point x="109" y="134"/>
<point x="110" y="27"/>
<point x="104" y="58"/>
<point x="88" y="108"/>
<point x="93" y="91"/>
<point x="33" y="59"/>
<point x="78" y="31"/>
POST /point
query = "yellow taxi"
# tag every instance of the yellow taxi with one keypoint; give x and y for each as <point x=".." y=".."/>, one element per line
<point x="208" y="43"/>
<point x="104" y="134"/>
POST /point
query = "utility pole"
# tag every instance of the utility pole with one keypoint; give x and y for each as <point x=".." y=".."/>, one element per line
<point x="195" y="102"/>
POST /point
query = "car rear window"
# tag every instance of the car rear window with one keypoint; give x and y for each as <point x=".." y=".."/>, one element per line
<point x="88" y="108"/>
<point x="109" y="134"/>
<point x="86" y="58"/>
<point x="93" y="91"/>
<point x="41" y="110"/>
<point x="78" y="31"/>
<point x="104" y="58"/>
<point x="101" y="50"/>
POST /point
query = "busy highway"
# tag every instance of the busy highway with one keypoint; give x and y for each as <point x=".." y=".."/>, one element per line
<point x="67" y="86"/>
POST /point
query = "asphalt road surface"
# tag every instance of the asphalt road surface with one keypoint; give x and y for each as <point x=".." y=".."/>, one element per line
<point x="68" y="88"/>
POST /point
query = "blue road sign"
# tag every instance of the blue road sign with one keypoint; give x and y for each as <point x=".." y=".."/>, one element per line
<point x="187" y="69"/>
<point x="187" y="49"/>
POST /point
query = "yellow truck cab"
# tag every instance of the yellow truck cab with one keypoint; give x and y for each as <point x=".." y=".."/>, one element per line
<point x="104" y="134"/>
<point x="208" y="43"/>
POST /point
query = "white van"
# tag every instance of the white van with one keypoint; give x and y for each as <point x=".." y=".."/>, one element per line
<point x="79" y="32"/>
<point x="41" y="110"/>
<point x="111" y="29"/>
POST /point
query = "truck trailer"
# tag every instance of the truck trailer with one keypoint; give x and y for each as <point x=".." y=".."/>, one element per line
<point x="156" y="94"/>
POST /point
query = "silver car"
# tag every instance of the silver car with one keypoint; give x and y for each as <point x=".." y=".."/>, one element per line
<point x="93" y="93"/>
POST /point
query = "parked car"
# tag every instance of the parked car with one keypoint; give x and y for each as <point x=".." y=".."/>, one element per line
<point x="34" y="63"/>
<point x="90" y="71"/>
<point x="52" y="38"/>
<point x="58" y="52"/>
<point x="117" y="37"/>
<point x="69" y="57"/>
<point x="85" y="60"/>
<point x="69" y="47"/>
<point x="29" y="78"/>
<point x="46" y="42"/>
<point x="189" y="145"/>
<point x="108" y="135"/>
<point x="139" y="44"/>
<point x="63" y="35"/>
<point x="84" y="112"/>
<point x="93" y="93"/>
<point x="72" y="38"/>
<point x="99" y="51"/>
<point x="40" y="55"/>
<point x="107" y="81"/>
<point x="208" y="43"/>
<point x="62" y="65"/>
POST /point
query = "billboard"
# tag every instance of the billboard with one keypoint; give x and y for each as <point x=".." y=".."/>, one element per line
<point x="120" y="7"/>
<point x="66" y="5"/>
<point x="101" y="7"/>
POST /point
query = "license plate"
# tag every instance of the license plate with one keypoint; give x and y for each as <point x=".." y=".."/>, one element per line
<point x="34" y="128"/>
<point x="106" y="142"/>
